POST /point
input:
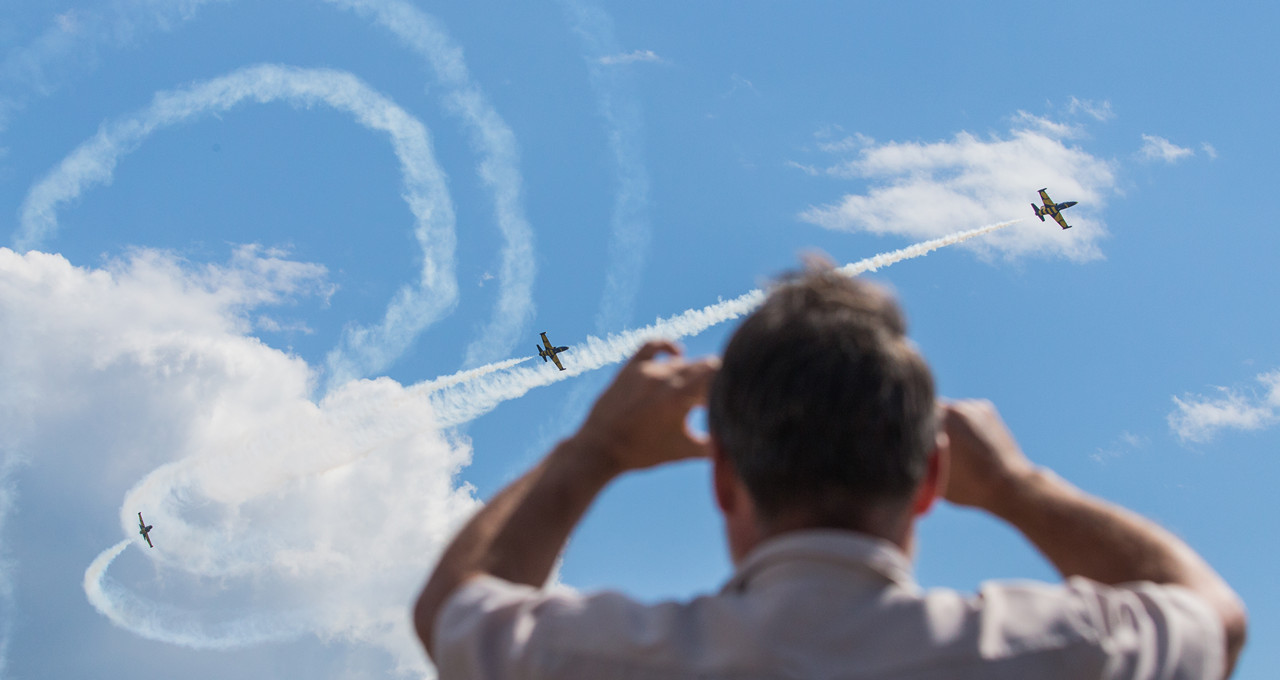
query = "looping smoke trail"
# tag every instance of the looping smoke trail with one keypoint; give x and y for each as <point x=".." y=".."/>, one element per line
<point x="166" y="624"/>
<point x="467" y="400"/>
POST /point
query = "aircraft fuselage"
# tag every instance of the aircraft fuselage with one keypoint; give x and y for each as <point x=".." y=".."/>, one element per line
<point x="549" y="353"/>
<point x="1052" y="209"/>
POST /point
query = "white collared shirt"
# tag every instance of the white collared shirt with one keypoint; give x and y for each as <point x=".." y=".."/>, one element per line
<point x="830" y="604"/>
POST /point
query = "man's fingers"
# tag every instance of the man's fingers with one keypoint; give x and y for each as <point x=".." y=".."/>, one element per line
<point x="653" y="348"/>
<point x="697" y="376"/>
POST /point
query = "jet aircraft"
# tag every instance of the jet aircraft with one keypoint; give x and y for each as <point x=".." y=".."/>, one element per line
<point x="1052" y="209"/>
<point x="145" y="530"/>
<point x="550" y="351"/>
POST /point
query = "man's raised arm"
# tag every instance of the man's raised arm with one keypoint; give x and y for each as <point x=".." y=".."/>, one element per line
<point x="638" y="422"/>
<point x="1080" y="534"/>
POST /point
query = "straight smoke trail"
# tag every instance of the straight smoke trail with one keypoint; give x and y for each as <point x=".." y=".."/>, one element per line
<point x="443" y="382"/>
<point x="463" y="401"/>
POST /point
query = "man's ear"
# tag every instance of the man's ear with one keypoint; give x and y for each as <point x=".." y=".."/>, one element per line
<point x="724" y="478"/>
<point x="934" y="483"/>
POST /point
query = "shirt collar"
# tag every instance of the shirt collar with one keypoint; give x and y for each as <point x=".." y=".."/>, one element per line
<point x="831" y="546"/>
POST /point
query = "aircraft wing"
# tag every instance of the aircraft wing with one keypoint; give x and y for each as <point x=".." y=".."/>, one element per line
<point x="1044" y="196"/>
<point x="1061" y="220"/>
<point x="547" y="343"/>
<point x="556" y="360"/>
<point x="149" y="545"/>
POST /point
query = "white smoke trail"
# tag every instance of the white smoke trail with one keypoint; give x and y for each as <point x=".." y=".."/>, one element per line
<point x="629" y="226"/>
<point x="122" y="22"/>
<point x="437" y="384"/>
<point x="499" y="168"/>
<point x="362" y="350"/>
<point x="466" y="401"/>
<point x="163" y="623"/>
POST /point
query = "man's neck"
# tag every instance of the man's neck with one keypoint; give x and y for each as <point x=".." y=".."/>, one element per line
<point x="890" y="524"/>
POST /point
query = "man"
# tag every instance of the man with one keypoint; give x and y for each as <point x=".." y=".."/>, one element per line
<point x="826" y="445"/>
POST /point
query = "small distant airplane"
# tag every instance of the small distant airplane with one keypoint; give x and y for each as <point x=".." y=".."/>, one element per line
<point x="145" y="530"/>
<point x="550" y="351"/>
<point x="1052" y="209"/>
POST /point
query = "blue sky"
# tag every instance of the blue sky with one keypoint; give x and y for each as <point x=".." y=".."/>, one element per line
<point x="271" y="274"/>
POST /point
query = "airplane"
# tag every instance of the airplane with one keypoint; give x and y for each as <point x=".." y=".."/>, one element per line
<point x="550" y="352"/>
<point x="1052" y="209"/>
<point x="145" y="530"/>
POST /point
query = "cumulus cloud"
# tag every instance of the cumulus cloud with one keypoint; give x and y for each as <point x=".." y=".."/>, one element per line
<point x="1160" y="149"/>
<point x="138" y="382"/>
<point x="1198" y="417"/>
<point x="923" y="190"/>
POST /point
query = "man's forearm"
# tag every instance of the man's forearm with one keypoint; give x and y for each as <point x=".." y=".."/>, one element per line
<point x="1086" y="536"/>
<point x="520" y="532"/>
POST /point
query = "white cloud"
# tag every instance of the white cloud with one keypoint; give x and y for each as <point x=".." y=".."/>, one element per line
<point x="924" y="190"/>
<point x="738" y="83"/>
<point x="1160" y="149"/>
<point x="636" y="56"/>
<point x="1209" y="151"/>
<point x="1047" y="126"/>
<point x="1197" y="418"/>
<point x="1098" y="110"/>
<point x="307" y="518"/>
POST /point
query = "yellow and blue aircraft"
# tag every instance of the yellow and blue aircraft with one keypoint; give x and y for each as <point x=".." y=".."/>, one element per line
<point x="145" y="530"/>
<point x="550" y="351"/>
<point x="1052" y="209"/>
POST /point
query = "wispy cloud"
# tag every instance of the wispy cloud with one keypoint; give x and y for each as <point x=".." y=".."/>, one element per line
<point x="1047" y="126"/>
<point x="636" y="56"/>
<point x="72" y="43"/>
<point x="921" y="189"/>
<point x="629" y="229"/>
<point x="1100" y="111"/>
<point x="1198" y="417"/>
<point x="1156" y="148"/>
<point x="1127" y="441"/>
<point x="738" y="83"/>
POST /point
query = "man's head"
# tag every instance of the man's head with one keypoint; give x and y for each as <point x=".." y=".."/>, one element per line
<point x="822" y="406"/>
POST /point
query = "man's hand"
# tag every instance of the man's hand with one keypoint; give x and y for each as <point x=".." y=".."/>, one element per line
<point x="640" y="420"/>
<point x="1081" y="535"/>
<point x="986" y="463"/>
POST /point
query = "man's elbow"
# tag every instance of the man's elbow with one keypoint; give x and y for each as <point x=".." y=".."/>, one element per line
<point x="424" y="618"/>
<point x="1235" y="623"/>
<point x="427" y="609"/>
